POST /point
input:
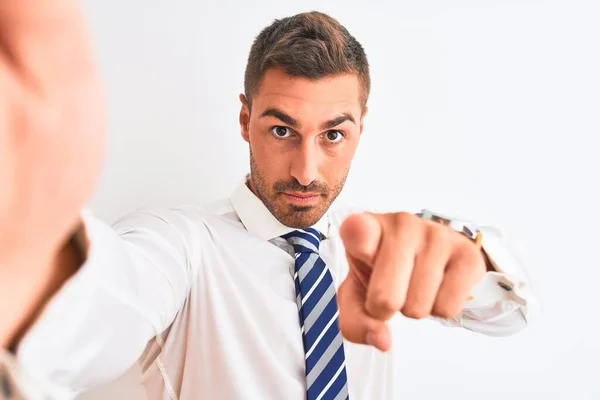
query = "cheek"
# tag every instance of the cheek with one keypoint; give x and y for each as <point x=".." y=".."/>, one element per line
<point x="332" y="170"/>
<point x="259" y="147"/>
<point x="337" y="161"/>
<point x="270" y="159"/>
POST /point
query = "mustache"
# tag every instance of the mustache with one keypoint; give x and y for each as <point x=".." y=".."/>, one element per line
<point x="295" y="186"/>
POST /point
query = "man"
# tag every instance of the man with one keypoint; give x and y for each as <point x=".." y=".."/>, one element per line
<point x="274" y="292"/>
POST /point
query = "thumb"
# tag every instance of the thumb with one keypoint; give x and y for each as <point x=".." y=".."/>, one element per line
<point x="361" y="235"/>
<point x="355" y="324"/>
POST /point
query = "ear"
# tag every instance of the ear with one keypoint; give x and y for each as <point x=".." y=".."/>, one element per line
<point x="245" y="118"/>
<point x="362" y="118"/>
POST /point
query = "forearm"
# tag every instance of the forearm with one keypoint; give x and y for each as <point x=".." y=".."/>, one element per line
<point x="20" y="293"/>
<point x="134" y="280"/>
<point x="56" y="349"/>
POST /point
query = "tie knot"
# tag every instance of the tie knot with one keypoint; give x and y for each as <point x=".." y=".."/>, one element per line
<point x="304" y="240"/>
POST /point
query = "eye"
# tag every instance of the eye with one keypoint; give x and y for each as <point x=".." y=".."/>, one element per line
<point x="334" y="136"/>
<point x="280" y="132"/>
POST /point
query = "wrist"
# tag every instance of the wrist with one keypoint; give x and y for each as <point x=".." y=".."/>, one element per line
<point x="20" y="290"/>
<point x="24" y="295"/>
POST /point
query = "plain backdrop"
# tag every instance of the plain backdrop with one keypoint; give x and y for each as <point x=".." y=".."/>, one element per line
<point x="487" y="110"/>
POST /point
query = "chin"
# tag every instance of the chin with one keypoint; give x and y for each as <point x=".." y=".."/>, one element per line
<point x="300" y="217"/>
<point x="298" y="223"/>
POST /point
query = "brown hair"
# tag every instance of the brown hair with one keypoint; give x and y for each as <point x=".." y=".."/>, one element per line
<point x="311" y="45"/>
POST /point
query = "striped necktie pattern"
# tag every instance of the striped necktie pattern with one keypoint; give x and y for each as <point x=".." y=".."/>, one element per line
<point x="326" y="377"/>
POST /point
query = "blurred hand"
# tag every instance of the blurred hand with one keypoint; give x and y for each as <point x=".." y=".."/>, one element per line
<point x="51" y="143"/>
<point x="401" y="263"/>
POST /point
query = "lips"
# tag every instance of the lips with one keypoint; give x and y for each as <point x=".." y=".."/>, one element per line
<point x="302" y="197"/>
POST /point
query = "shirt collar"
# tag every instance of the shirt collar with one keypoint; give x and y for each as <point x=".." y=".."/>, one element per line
<point x="257" y="218"/>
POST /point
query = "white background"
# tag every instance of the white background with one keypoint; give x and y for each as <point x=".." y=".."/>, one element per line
<point x="482" y="109"/>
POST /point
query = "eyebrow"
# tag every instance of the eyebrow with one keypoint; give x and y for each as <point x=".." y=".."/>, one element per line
<point x="288" y="120"/>
<point x="280" y="115"/>
<point x="337" y="121"/>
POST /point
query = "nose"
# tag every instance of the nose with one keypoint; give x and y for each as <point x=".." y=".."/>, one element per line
<point x="305" y="165"/>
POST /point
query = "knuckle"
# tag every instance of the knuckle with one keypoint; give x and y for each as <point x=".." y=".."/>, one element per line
<point x="404" y="218"/>
<point x="382" y="305"/>
<point x="416" y="311"/>
<point x="446" y="310"/>
<point x="470" y="261"/>
<point x="438" y="234"/>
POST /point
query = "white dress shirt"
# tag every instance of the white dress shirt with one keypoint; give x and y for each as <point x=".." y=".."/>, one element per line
<point x="204" y="299"/>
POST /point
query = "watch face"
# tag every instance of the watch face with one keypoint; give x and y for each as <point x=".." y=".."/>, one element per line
<point x="466" y="228"/>
<point x="441" y="220"/>
<point x="436" y="217"/>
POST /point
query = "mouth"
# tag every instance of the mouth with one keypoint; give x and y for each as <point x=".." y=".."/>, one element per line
<point x="302" y="198"/>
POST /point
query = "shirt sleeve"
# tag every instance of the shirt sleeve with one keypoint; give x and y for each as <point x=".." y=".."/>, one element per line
<point x="503" y="302"/>
<point x="136" y="277"/>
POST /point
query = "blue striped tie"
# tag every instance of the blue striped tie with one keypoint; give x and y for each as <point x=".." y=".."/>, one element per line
<point x="317" y="306"/>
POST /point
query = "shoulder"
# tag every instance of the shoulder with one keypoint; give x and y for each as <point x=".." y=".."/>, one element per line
<point x="178" y="217"/>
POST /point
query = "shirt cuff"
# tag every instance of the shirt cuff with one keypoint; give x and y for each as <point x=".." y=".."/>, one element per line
<point x="502" y="303"/>
<point x="509" y="275"/>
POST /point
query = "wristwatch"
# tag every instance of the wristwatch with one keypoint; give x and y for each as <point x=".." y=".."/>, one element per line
<point x="470" y="230"/>
<point x="467" y="228"/>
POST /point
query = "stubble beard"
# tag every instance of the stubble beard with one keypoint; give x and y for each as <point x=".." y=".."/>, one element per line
<point x="293" y="216"/>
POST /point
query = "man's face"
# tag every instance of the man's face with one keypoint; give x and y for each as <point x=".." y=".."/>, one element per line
<point x="303" y="135"/>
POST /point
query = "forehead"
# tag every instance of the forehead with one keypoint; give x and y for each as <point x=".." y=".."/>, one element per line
<point x="306" y="97"/>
